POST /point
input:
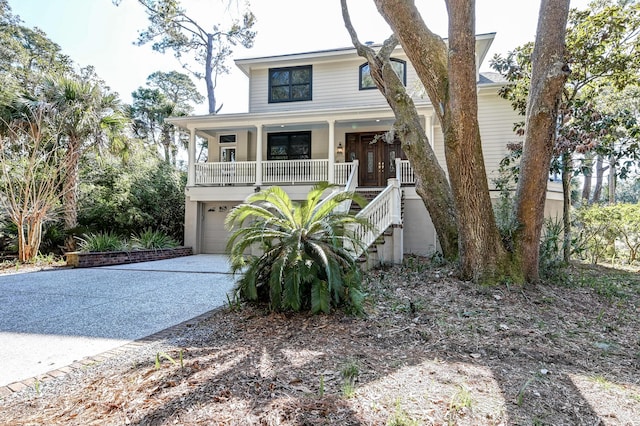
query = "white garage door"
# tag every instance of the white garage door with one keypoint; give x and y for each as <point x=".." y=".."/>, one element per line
<point x="214" y="235"/>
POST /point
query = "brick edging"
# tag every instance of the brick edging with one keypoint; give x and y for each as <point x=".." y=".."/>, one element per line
<point x="85" y="362"/>
<point x="92" y="259"/>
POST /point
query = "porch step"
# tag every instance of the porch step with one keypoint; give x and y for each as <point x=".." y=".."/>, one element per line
<point x="369" y="194"/>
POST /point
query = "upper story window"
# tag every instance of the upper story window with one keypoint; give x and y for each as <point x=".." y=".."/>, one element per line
<point x="289" y="146"/>
<point x="366" y="81"/>
<point x="290" y="84"/>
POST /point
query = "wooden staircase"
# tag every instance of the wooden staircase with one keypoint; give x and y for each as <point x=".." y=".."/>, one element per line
<point x="377" y="253"/>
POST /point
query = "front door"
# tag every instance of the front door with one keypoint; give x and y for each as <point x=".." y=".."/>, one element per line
<point x="377" y="158"/>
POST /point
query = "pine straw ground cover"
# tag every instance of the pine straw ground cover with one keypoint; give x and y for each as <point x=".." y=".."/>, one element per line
<point x="431" y="350"/>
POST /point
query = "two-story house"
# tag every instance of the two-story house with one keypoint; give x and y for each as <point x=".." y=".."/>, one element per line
<point x="314" y="116"/>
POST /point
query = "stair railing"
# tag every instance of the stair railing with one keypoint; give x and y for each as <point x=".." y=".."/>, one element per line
<point x="382" y="212"/>
<point x="352" y="184"/>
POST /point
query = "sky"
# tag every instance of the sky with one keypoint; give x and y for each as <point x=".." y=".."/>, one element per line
<point x="98" y="33"/>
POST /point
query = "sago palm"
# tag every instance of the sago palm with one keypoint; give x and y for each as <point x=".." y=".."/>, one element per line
<point x="306" y="260"/>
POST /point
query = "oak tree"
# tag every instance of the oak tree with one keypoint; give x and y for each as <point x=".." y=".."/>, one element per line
<point x="431" y="180"/>
<point x="602" y="44"/>
<point x="448" y="74"/>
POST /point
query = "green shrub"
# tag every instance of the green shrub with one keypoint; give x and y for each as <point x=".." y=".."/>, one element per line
<point x="503" y="207"/>
<point x="608" y="232"/>
<point x="552" y="264"/>
<point x="101" y="242"/>
<point x="304" y="262"/>
<point x="128" y="197"/>
<point x="152" y="240"/>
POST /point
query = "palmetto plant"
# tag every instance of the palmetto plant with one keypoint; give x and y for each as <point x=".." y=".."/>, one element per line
<point x="306" y="260"/>
<point x="88" y="115"/>
<point x="101" y="242"/>
<point x="152" y="240"/>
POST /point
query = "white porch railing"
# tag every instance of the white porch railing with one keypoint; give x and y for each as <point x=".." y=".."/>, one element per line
<point x="287" y="171"/>
<point x="350" y="186"/>
<point x="295" y="171"/>
<point x="227" y="173"/>
<point x="404" y="172"/>
<point x="342" y="172"/>
<point x="381" y="212"/>
<point x="280" y="171"/>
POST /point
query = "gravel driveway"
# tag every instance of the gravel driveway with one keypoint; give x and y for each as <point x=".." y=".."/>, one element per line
<point x="52" y="318"/>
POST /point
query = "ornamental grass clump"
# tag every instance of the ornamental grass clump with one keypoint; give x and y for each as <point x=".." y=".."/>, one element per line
<point x="101" y="242"/>
<point x="306" y="260"/>
<point x="152" y="240"/>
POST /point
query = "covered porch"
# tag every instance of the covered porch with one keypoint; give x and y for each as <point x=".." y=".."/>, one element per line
<point x="253" y="160"/>
<point x="284" y="172"/>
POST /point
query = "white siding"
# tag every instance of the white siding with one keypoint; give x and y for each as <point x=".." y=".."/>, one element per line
<point x="496" y="119"/>
<point x="334" y="85"/>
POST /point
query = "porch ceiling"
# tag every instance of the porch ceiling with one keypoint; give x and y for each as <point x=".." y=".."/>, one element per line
<point x="289" y="120"/>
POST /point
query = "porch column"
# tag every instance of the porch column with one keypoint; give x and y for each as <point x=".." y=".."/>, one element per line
<point x="191" y="173"/>
<point x="332" y="151"/>
<point x="396" y="222"/>
<point x="259" y="128"/>
<point x="428" y="125"/>
<point x="396" y="213"/>
<point x="430" y="128"/>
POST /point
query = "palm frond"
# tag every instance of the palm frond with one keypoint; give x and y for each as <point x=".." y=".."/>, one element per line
<point x="305" y="261"/>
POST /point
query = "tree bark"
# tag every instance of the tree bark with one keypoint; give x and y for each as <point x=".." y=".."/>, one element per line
<point x="612" y="180"/>
<point x="208" y="75"/>
<point x="165" y="138"/>
<point x="481" y="251"/>
<point x="588" y="172"/>
<point x="566" y="206"/>
<point x="548" y="74"/>
<point x="449" y="78"/>
<point x="600" y="169"/>
<point x="431" y="180"/>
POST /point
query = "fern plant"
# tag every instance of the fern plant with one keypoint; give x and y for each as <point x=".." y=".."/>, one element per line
<point x="304" y="261"/>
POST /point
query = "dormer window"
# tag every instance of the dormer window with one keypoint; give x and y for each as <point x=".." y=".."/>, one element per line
<point x="366" y="81"/>
<point x="290" y="84"/>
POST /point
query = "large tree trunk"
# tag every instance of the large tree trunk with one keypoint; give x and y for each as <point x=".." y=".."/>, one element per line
<point x="450" y="81"/>
<point x="548" y="74"/>
<point x="481" y="251"/>
<point x="165" y="137"/>
<point x="431" y="180"/>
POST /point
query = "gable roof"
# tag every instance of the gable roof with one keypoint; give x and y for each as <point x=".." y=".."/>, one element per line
<point x="483" y="43"/>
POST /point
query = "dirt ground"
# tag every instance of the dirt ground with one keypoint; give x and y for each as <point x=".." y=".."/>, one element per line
<point x="431" y="350"/>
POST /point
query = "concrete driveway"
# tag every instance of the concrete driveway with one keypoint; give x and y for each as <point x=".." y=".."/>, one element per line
<point x="50" y="319"/>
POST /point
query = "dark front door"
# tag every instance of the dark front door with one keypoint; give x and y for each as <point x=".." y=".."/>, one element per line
<point x="377" y="158"/>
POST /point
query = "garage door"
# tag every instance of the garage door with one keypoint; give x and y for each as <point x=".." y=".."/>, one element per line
<point x="214" y="235"/>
